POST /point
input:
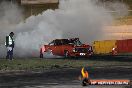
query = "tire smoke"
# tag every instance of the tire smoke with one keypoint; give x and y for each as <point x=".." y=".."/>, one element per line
<point x="74" y="18"/>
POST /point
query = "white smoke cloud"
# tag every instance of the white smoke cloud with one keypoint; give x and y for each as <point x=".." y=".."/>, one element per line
<point x="10" y="16"/>
<point x="74" y="18"/>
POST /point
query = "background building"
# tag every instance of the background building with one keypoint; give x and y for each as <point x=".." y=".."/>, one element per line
<point x="34" y="7"/>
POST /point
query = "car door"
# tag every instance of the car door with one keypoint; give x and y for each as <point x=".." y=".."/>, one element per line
<point x="52" y="48"/>
<point x="57" y="47"/>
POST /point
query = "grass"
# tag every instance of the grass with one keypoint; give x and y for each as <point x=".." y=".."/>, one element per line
<point x="37" y="64"/>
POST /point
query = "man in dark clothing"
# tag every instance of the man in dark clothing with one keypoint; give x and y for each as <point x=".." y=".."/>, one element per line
<point x="9" y="45"/>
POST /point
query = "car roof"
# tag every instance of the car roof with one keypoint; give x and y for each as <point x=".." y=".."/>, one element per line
<point x="67" y="39"/>
<point x="61" y="39"/>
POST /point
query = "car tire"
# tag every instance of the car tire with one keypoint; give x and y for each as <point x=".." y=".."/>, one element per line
<point x="66" y="53"/>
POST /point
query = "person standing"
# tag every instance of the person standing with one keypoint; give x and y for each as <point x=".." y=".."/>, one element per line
<point x="9" y="45"/>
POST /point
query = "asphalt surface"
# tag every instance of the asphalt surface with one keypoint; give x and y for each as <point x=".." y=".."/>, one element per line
<point x="64" y="78"/>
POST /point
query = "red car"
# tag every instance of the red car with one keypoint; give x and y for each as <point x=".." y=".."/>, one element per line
<point x="67" y="47"/>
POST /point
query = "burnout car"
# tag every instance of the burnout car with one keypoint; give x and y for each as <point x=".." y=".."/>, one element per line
<point x="67" y="48"/>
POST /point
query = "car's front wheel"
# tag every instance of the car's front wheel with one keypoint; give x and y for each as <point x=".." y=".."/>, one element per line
<point x="66" y="53"/>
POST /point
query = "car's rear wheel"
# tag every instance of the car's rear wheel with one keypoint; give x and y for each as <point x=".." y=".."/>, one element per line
<point x="41" y="55"/>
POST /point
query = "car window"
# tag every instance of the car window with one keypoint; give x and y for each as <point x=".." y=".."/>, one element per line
<point x="65" y="41"/>
<point x="51" y="43"/>
<point x="75" y="42"/>
<point x="58" y="42"/>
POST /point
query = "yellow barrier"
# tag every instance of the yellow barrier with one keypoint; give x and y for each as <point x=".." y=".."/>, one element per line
<point x="104" y="47"/>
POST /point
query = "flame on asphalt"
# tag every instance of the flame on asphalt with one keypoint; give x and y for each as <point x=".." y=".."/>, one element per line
<point x="84" y="73"/>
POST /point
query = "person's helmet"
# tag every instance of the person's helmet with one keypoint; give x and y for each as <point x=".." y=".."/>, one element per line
<point x="11" y="33"/>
